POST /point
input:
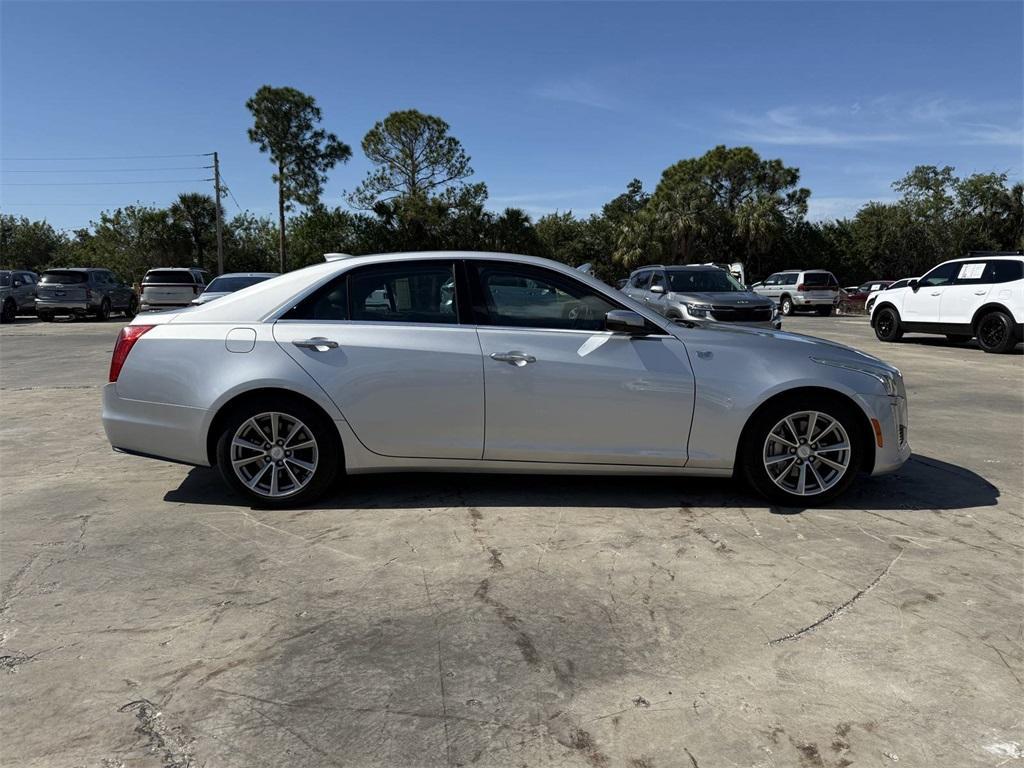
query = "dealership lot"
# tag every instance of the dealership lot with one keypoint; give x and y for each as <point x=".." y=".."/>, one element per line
<point x="147" y="619"/>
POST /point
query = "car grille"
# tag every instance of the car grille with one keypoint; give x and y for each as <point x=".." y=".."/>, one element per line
<point x="741" y="314"/>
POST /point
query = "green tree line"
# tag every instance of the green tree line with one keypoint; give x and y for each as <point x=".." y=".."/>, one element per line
<point x="728" y="205"/>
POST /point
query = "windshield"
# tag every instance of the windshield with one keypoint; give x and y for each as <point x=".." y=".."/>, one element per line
<point x="65" y="278"/>
<point x="703" y="281"/>
<point x="230" y="284"/>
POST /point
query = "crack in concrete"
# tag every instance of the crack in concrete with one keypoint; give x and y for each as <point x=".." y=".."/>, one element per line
<point x="839" y="608"/>
<point x="162" y="740"/>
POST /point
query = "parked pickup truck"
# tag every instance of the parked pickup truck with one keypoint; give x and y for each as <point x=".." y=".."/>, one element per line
<point x="172" y="287"/>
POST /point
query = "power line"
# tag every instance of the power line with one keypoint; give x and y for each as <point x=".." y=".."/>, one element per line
<point x="108" y="157"/>
<point x="109" y="170"/>
<point x="225" y="186"/>
<point x="96" y="183"/>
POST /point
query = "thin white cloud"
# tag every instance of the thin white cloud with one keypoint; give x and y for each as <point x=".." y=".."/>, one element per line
<point x="829" y="208"/>
<point x="885" y="120"/>
<point x="577" y="90"/>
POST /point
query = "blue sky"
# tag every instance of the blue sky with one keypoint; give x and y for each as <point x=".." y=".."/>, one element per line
<point x="559" y="105"/>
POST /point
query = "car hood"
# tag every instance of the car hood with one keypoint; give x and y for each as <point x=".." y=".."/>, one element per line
<point x="773" y="344"/>
<point x="724" y="298"/>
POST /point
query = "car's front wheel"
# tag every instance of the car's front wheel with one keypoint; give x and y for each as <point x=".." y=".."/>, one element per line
<point x="887" y="325"/>
<point x="803" y="451"/>
<point x="133" y="308"/>
<point x="786" y="306"/>
<point x="103" y="313"/>
<point x="9" y="311"/>
<point x="995" y="332"/>
<point x="278" y="453"/>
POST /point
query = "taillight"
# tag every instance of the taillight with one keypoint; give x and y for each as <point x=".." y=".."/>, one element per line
<point x="801" y="287"/>
<point x="125" y="341"/>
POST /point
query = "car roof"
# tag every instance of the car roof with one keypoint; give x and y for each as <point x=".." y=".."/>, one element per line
<point x="981" y="255"/>
<point x="76" y="269"/>
<point x="250" y="274"/>
<point x="175" y="269"/>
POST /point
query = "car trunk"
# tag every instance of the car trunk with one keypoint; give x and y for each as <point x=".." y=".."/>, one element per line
<point x="819" y="287"/>
<point x="169" y="288"/>
<point x="64" y="286"/>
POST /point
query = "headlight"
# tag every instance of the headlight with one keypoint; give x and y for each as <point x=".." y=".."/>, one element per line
<point x="889" y="379"/>
<point x="697" y="310"/>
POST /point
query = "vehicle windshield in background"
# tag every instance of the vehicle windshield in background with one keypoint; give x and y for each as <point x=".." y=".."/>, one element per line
<point x="64" y="278"/>
<point x="703" y="281"/>
<point x="168" y="276"/>
<point x="819" y="279"/>
<point x="232" y="284"/>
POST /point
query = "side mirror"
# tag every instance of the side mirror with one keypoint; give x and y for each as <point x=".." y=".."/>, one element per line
<point x="18" y="283"/>
<point x="913" y="285"/>
<point x="625" y="321"/>
<point x="657" y="289"/>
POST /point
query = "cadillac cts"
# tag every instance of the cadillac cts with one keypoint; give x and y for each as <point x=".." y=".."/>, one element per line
<point x="494" y="363"/>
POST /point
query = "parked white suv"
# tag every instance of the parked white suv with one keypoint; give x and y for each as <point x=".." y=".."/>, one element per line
<point x="979" y="296"/>
<point x="794" y="289"/>
<point x="170" y="287"/>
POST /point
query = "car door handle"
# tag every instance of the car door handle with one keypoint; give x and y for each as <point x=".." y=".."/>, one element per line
<point x="980" y="293"/>
<point x="317" y="343"/>
<point x="937" y="293"/>
<point x="518" y="359"/>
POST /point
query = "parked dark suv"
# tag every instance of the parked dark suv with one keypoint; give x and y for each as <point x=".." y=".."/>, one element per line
<point x="17" y="293"/>
<point x="83" y="291"/>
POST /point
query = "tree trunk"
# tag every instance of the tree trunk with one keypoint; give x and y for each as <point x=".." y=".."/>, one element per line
<point x="280" y="214"/>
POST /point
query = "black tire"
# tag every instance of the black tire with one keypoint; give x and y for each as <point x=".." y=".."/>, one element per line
<point x="824" y="311"/>
<point x="786" y="306"/>
<point x="755" y="436"/>
<point x="46" y="317"/>
<point x="103" y="313"/>
<point x="887" y="325"/>
<point x="327" y="460"/>
<point x="958" y="338"/>
<point x="8" y="312"/>
<point x="133" y="308"/>
<point x="995" y="332"/>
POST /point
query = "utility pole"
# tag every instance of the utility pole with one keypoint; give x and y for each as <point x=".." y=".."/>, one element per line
<point x="220" y="214"/>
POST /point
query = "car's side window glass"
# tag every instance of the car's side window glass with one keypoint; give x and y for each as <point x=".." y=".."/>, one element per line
<point x="640" y="279"/>
<point x="789" y="279"/>
<point x="1003" y="271"/>
<point x="327" y="303"/>
<point x="658" y="279"/>
<point x="406" y="292"/>
<point x="971" y="273"/>
<point x="525" y="297"/>
<point x="941" y="275"/>
<point x="772" y="280"/>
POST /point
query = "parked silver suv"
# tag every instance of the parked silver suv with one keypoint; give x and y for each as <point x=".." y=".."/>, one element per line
<point x="794" y="289"/>
<point x="169" y="287"/>
<point x="17" y="293"/>
<point x="83" y="291"/>
<point x="700" y="293"/>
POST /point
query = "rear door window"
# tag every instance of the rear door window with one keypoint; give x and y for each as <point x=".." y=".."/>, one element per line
<point x="404" y="292"/>
<point x="818" y="279"/>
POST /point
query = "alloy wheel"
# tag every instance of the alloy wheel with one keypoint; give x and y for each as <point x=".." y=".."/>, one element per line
<point x="806" y="453"/>
<point x="992" y="331"/>
<point x="274" y="454"/>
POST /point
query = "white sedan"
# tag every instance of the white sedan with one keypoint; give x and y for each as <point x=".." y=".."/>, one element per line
<point x="484" y="362"/>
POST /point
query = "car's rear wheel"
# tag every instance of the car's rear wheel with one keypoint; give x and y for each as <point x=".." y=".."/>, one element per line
<point x="887" y="325"/>
<point x="278" y="453"/>
<point x="103" y="313"/>
<point x="133" y="308"/>
<point x="9" y="311"/>
<point x="825" y="311"/>
<point x="995" y="332"/>
<point x="803" y="451"/>
<point x="46" y="317"/>
<point x="786" y="306"/>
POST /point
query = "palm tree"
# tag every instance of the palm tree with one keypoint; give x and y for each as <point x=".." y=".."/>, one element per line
<point x="197" y="215"/>
<point x="682" y="217"/>
<point x="759" y="221"/>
